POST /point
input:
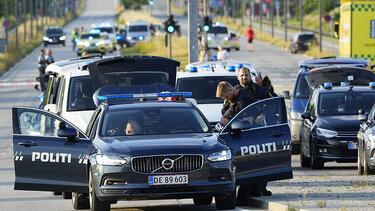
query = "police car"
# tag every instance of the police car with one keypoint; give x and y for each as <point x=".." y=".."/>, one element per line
<point x="109" y="29"/>
<point x="138" y="31"/>
<point x="202" y="79"/>
<point x="218" y="35"/>
<point x="91" y="42"/>
<point x="174" y="154"/>
<point x="366" y="142"/>
<point x="330" y="122"/>
<point x="109" y="46"/>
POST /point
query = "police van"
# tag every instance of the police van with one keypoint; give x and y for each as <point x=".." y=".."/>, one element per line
<point x="202" y="78"/>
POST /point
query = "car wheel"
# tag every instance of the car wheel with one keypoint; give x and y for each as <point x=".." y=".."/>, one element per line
<point x="78" y="54"/>
<point x="56" y="193"/>
<point x="95" y="203"/>
<point x="67" y="195"/>
<point x="206" y="200"/>
<point x="315" y="163"/>
<point x="228" y="49"/>
<point x="227" y="202"/>
<point x="305" y="162"/>
<point x="359" y="161"/>
<point x="366" y="168"/>
<point x="63" y="43"/>
<point x="80" y="201"/>
<point x="237" y="49"/>
<point x="45" y="44"/>
<point x="296" y="149"/>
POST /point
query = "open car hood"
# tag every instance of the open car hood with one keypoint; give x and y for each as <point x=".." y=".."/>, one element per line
<point x="132" y="71"/>
<point x="336" y="75"/>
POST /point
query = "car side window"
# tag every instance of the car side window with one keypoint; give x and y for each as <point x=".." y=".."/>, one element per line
<point x="263" y="113"/>
<point x="37" y="123"/>
<point x="93" y="124"/>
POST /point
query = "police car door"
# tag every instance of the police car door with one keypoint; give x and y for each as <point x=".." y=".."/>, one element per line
<point x="44" y="161"/>
<point x="259" y="137"/>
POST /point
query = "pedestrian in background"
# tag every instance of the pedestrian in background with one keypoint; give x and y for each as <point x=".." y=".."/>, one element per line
<point x="42" y="63"/>
<point x="74" y="37"/>
<point x="49" y="57"/>
<point x="250" y="37"/>
<point x="222" y="54"/>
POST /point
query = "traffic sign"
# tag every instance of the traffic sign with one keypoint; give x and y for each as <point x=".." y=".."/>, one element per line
<point x="277" y="5"/>
<point x="6" y="23"/>
<point x="327" y="17"/>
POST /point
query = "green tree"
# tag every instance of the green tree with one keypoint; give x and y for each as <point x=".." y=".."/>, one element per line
<point x="133" y="4"/>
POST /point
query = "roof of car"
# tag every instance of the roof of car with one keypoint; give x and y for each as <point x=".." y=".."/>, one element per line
<point x="321" y="89"/>
<point x="206" y="73"/>
<point x="332" y="61"/>
<point x="148" y="104"/>
<point x="137" y="23"/>
<point x="70" y="65"/>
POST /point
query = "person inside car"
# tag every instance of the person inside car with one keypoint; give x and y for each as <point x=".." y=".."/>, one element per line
<point x="132" y="128"/>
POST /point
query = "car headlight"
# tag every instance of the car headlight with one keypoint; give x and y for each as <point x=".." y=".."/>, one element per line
<point x="326" y="133"/>
<point x="371" y="137"/>
<point x="62" y="38"/>
<point x="295" y="115"/>
<point x="129" y="37"/>
<point x="220" y="156"/>
<point x="209" y="38"/>
<point x="226" y="38"/>
<point x="110" y="160"/>
<point x="141" y="38"/>
<point x="45" y="38"/>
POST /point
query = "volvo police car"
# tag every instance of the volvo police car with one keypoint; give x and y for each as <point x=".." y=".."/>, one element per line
<point x="202" y="79"/>
<point x="330" y="121"/>
<point x="174" y="153"/>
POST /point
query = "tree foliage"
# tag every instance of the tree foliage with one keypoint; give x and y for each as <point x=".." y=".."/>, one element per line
<point x="133" y="4"/>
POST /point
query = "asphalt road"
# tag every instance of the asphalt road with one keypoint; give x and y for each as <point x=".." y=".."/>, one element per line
<point x="279" y="65"/>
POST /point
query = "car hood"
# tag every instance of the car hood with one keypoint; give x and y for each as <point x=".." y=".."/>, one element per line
<point x="130" y="64"/>
<point x="299" y="104"/>
<point x="54" y="35"/>
<point x="339" y="123"/>
<point x="211" y="111"/>
<point x="336" y="75"/>
<point x="161" y="144"/>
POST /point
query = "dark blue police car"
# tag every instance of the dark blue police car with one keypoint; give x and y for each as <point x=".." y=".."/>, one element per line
<point x="330" y="121"/>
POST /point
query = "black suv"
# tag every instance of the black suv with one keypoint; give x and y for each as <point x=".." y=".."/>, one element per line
<point x="330" y="121"/>
<point x="54" y="35"/>
<point x="302" y="41"/>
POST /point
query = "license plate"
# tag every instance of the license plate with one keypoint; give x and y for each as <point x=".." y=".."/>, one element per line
<point x="352" y="145"/>
<point x="168" y="179"/>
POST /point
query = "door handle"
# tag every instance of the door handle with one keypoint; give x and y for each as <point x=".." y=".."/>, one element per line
<point x="277" y="134"/>
<point x="26" y="144"/>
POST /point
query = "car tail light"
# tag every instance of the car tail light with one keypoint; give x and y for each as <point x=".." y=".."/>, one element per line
<point x="235" y="38"/>
<point x="298" y="42"/>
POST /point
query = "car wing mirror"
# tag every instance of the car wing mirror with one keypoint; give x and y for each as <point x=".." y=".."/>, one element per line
<point x="286" y="94"/>
<point x="362" y="117"/>
<point x="237" y="127"/>
<point x="69" y="133"/>
<point x="306" y="115"/>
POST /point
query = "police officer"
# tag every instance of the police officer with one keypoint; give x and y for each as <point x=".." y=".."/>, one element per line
<point x="42" y="63"/>
<point x="49" y="57"/>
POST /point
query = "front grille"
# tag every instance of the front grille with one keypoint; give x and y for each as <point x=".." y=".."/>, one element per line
<point x="153" y="164"/>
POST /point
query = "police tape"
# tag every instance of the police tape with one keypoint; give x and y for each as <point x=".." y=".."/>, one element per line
<point x="19" y="83"/>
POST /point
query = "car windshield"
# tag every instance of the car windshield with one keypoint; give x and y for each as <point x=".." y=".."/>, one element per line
<point x="302" y="88"/>
<point x="80" y="94"/>
<point x="105" y="29"/>
<point x="306" y="37"/>
<point x="152" y="121"/>
<point x="54" y="31"/>
<point x="138" y="28"/>
<point x="87" y="36"/>
<point x="345" y="103"/>
<point x="204" y="88"/>
<point x="218" y="30"/>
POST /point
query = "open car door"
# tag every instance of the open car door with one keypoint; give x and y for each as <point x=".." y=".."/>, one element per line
<point x="259" y="137"/>
<point x="44" y="161"/>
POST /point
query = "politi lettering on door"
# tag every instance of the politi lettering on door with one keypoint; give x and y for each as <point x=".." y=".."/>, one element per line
<point x="258" y="148"/>
<point x="51" y="157"/>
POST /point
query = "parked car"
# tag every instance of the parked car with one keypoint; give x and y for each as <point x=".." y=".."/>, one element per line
<point x="366" y="141"/>
<point x="301" y="90"/>
<point x="138" y="31"/>
<point x="302" y="42"/>
<point x="54" y="35"/>
<point x="330" y="122"/>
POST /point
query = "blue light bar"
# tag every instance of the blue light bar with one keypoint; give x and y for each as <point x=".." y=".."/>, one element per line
<point x="372" y="84"/>
<point x="231" y="68"/>
<point x="193" y="69"/>
<point x="95" y="31"/>
<point x="118" y="37"/>
<point x="146" y="95"/>
<point x="239" y="65"/>
<point x="344" y="83"/>
<point x="327" y="85"/>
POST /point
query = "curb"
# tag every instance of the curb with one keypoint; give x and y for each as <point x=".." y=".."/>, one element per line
<point x="263" y="204"/>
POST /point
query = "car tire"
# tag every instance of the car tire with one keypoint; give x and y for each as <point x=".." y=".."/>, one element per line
<point x="237" y="49"/>
<point x="57" y="193"/>
<point x="63" y="44"/>
<point x="227" y="202"/>
<point x="296" y="149"/>
<point x="359" y="161"/>
<point x="80" y="201"/>
<point x="366" y="168"/>
<point x="305" y="162"/>
<point x="45" y="44"/>
<point x="315" y="163"/>
<point x="205" y="200"/>
<point x="228" y="49"/>
<point x="95" y="203"/>
<point x="78" y="54"/>
<point x="67" y="195"/>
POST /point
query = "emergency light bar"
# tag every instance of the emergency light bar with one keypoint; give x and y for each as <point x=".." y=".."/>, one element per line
<point x="147" y="95"/>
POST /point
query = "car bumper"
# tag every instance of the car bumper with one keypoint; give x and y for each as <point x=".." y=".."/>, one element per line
<point x="295" y="129"/>
<point x="91" y="49"/>
<point x="214" y="179"/>
<point x="54" y="41"/>
<point x="336" y="149"/>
